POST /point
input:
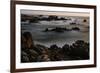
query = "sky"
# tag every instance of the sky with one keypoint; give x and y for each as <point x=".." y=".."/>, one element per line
<point x="60" y="13"/>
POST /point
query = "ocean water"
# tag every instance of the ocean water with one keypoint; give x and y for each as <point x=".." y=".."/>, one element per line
<point x="52" y="37"/>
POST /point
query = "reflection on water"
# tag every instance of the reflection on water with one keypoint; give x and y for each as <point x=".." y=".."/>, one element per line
<point x="49" y="38"/>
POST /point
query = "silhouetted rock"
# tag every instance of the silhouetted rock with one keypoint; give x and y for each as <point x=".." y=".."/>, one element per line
<point x="76" y="28"/>
<point x="31" y="52"/>
<point x="57" y="29"/>
<point x="54" y="47"/>
<point x="43" y="58"/>
<point x="26" y="40"/>
<point x="56" y="53"/>
<point x="24" y="57"/>
<point x="28" y="53"/>
<point x="43" y="53"/>
<point x="46" y="30"/>
<point x="79" y="50"/>
<point x="73" y="23"/>
<point x="66" y="49"/>
<point x="84" y="20"/>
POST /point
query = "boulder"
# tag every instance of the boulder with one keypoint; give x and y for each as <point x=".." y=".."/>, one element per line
<point x="79" y="50"/>
<point x="76" y="28"/>
<point x="66" y="49"/>
<point x="26" y="40"/>
<point x="24" y="57"/>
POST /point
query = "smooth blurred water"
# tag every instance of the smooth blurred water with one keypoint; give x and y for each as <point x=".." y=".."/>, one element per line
<point x="52" y="37"/>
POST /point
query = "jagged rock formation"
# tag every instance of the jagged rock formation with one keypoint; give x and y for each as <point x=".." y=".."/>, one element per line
<point x="31" y="52"/>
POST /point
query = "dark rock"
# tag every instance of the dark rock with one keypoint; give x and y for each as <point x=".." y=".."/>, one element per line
<point x="43" y="53"/>
<point x="43" y="58"/>
<point x="76" y="28"/>
<point x="24" y="57"/>
<point x="55" y="53"/>
<point x="57" y="29"/>
<point x="79" y="50"/>
<point x="84" y="20"/>
<point x="41" y="49"/>
<point x="31" y="52"/>
<point x="26" y="40"/>
<point x="66" y="49"/>
<point x="27" y="46"/>
<point x="73" y="23"/>
<point x="46" y="30"/>
<point x="54" y="47"/>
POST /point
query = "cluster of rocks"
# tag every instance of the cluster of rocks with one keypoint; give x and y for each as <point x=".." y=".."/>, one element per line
<point x="31" y="52"/>
<point x="33" y="18"/>
<point x="60" y="29"/>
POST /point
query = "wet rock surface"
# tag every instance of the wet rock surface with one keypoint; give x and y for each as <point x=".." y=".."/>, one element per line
<point x="31" y="52"/>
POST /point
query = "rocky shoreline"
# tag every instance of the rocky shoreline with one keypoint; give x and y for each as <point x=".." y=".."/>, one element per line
<point x="31" y="52"/>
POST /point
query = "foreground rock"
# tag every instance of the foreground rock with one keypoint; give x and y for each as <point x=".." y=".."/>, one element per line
<point x="31" y="52"/>
<point x="80" y="50"/>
